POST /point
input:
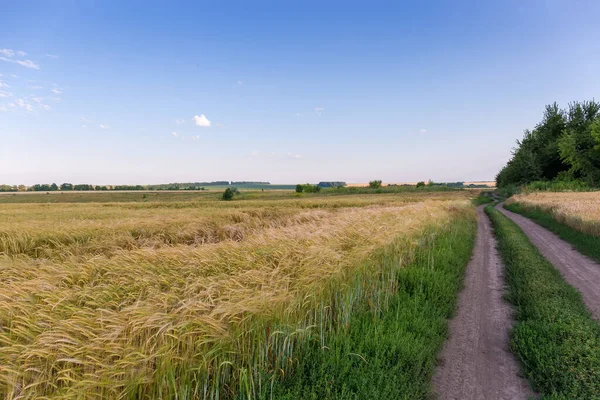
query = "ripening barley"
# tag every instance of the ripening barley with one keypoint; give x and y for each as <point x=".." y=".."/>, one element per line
<point x="197" y="299"/>
<point x="579" y="210"/>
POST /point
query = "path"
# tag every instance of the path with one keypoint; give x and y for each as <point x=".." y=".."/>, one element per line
<point x="578" y="270"/>
<point x="476" y="362"/>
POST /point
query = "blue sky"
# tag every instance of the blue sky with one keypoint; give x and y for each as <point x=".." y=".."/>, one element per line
<point x="110" y="92"/>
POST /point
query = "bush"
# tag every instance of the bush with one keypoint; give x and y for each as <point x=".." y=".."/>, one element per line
<point x="376" y="184"/>
<point x="299" y="188"/>
<point x="228" y="194"/>
<point x="420" y="184"/>
<point x="308" y="188"/>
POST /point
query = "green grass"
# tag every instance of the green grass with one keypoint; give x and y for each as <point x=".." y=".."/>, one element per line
<point x="555" y="337"/>
<point x="483" y="198"/>
<point x="388" y="349"/>
<point x="585" y="243"/>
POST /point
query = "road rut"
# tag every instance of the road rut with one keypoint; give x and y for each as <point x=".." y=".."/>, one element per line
<point x="476" y="362"/>
<point x="578" y="270"/>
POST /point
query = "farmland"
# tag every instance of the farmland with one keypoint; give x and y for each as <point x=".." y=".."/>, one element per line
<point x="579" y="210"/>
<point x="184" y="295"/>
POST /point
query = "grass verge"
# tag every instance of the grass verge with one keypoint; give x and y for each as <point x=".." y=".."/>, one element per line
<point x="585" y="243"/>
<point x="555" y="337"/>
<point x="388" y="349"/>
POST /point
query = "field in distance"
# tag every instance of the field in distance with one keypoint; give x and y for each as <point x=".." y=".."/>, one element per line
<point x="182" y="293"/>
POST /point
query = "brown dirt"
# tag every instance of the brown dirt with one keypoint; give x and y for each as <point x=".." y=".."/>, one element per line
<point x="476" y="362"/>
<point x="578" y="270"/>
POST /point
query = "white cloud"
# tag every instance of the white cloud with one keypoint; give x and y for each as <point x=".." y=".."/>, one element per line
<point x="7" y="52"/>
<point x="37" y="99"/>
<point x="3" y="85"/>
<point x="25" y="63"/>
<point x="5" y="94"/>
<point x="104" y="126"/>
<point x="53" y="56"/>
<point x="180" y="121"/>
<point x="197" y="137"/>
<point x="21" y="53"/>
<point x="36" y="87"/>
<point x="423" y="130"/>
<point x="174" y="134"/>
<point x="87" y="121"/>
<point x="3" y="107"/>
<point x="293" y="156"/>
<point x="23" y="104"/>
<point x="202" y="121"/>
<point x="46" y="107"/>
<point x="319" y="110"/>
<point x="14" y="76"/>
<point x="56" y="91"/>
<point x="240" y="82"/>
<point x="84" y="126"/>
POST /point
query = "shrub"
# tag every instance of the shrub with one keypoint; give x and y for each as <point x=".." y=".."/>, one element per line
<point x="376" y="184"/>
<point x="420" y="184"/>
<point x="299" y="188"/>
<point x="228" y="194"/>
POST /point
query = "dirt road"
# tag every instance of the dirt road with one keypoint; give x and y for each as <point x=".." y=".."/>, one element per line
<point x="580" y="271"/>
<point x="475" y="362"/>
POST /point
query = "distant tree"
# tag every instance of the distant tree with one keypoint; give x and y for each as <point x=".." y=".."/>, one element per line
<point x="376" y="184"/>
<point x="22" y="188"/>
<point x="66" y="186"/>
<point x="420" y="184"/>
<point x="54" y="187"/>
<point x="228" y="194"/>
<point x="430" y="183"/>
<point x="299" y="188"/>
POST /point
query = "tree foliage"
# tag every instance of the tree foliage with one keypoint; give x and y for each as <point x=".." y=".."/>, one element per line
<point x="565" y="145"/>
<point x="375" y="184"/>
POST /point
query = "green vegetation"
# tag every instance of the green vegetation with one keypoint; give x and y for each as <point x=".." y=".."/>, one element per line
<point x="483" y="198"/>
<point x="388" y="348"/>
<point x="564" y="147"/>
<point x="375" y="184"/>
<point x="420" y="184"/>
<point x="555" y="337"/>
<point x="308" y="188"/>
<point x="586" y="244"/>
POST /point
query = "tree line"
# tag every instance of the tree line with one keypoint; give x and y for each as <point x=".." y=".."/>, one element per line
<point x="563" y="147"/>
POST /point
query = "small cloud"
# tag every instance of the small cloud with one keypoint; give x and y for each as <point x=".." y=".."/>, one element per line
<point x="87" y="121"/>
<point x="21" y="53"/>
<point x="7" y="52"/>
<point x="180" y="121"/>
<point x="84" y="126"/>
<point x="174" y="134"/>
<point x="423" y="130"/>
<point x="4" y="85"/>
<point x="23" y="104"/>
<point x="36" y="87"/>
<point x="37" y="99"/>
<point x="104" y="126"/>
<point x="299" y="114"/>
<point x="293" y="156"/>
<point x="240" y="82"/>
<point x="319" y="110"/>
<point x="202" y="121"/>
<point x="25" y="63"/>
<point x="52" y="56"/>
<point x="56" y="91"/>
<point x="46" y="107"/>
<point x="197" y="137"/>
<point x="14" y="76"/>
<point x="5" y="94"/>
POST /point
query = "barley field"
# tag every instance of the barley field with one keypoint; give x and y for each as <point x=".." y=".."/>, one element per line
<point x="579" y="210"/>
<point x="191" y="297"/>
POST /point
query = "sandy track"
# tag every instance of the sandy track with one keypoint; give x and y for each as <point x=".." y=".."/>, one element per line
<point x="476" y="362"/>
<point x="578" y="270"/>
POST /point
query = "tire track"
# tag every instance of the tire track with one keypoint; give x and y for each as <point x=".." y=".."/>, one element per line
<point x="476" y="362"/>
<point x="578" y="270"/>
